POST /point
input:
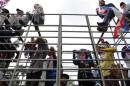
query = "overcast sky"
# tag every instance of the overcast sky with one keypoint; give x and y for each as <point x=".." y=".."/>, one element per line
<point x="60" y="6"/>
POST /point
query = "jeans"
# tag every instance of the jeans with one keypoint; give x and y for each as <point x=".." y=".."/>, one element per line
<point x="108" y="17"/>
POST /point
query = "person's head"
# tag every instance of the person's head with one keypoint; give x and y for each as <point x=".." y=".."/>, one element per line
<point x="122" y="5"/>
<point x="101" y="2"/>
<point x="64" y="82"/>
<point x="36" y="6"/>
<point x="40" y="40"/>
<point x="52" y="51"/>
<point x="20" y="12"/>
<point x="6" y="11"/>
<point x="30" y="45"/>
<point x="127" y="50"/>
<point x="102" y="40"/>
<point x="82" y="52"/>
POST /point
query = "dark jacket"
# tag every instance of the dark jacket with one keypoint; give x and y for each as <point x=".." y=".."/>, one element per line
<point x="88" y="64"/>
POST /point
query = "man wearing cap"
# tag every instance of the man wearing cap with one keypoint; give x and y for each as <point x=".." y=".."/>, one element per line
<point x="37" y="17"/>
<point x="14" y="21"/>
<point x="107" y="12"/>
<point x="83" y="59"/>
<point x="104" y="12"/>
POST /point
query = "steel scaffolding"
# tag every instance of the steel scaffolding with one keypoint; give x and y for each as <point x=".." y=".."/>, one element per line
<point x="65" y="32"/>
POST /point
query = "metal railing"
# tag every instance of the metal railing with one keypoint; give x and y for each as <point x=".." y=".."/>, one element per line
<point x="64" y="41"/>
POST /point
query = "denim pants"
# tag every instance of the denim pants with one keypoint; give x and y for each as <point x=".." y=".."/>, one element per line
<point x="109" y="16"/>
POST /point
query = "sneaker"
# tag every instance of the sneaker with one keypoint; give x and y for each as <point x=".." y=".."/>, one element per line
<point x="102" y="27"/>
<point x="102" y="24"/>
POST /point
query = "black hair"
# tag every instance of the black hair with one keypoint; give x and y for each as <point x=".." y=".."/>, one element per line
<point x="66" y="76"/>
<point x="17" y="9"/>
<point x="122" y="3"/>
<point x="4" y="10"/>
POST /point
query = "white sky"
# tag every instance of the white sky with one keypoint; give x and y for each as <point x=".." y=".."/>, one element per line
<point x="59" y="6"/>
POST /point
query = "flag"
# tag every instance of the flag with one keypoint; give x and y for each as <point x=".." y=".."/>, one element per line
<point x="119" y="27"/>
<point x="116" y="32"/>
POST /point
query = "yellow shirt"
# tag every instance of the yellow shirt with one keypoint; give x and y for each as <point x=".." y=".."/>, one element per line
<point x="108" y="55"/>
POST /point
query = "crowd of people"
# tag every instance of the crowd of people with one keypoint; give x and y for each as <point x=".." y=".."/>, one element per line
<point x="37" y="50"/>
<point x="108" y="12"/>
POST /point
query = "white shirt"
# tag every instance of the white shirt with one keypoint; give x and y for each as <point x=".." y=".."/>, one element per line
<point x="126" y="9"/>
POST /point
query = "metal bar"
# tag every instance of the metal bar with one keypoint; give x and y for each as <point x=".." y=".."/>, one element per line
<point x="11" y="81"/>
<point x="94" y="47"/>
<point x="59" y="51"/>
<point x="100" y="38"/>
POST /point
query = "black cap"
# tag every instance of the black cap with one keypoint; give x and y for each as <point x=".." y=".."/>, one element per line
<point x="19" y="11"/>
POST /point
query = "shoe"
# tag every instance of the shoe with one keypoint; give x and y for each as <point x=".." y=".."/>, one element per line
<point x="102" y="24"/>
<point x="102" y="27"/>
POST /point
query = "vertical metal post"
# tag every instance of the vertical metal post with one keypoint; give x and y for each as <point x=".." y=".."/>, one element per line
<point x="94" y="46"/>
<point x="100" y="38"/>
<point x="59" y="51"/>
